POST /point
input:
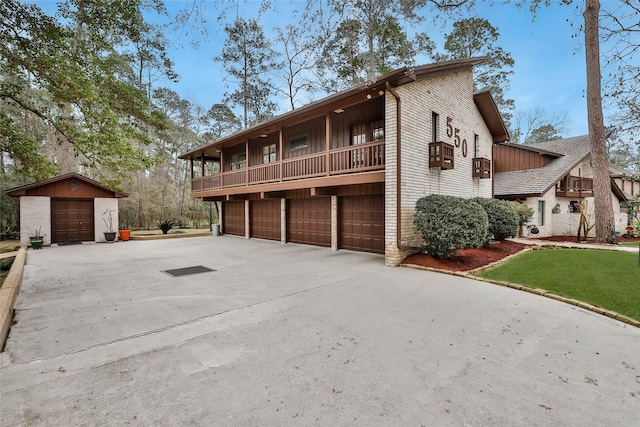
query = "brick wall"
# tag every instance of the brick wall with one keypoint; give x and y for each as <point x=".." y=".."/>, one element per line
<point x="100" y="206"/>
<point x="448" y="95"/>
<point x="35" y="213"/>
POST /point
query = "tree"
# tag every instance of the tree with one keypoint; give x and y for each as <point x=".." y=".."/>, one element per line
<point x="537" y="126"/>
<point x="247" y="57"/>
<point x="83" y="99"/>
<point x="362" y="38"/>
<point x="604" y="219"/>
<point x="219" y="121"/>
<point x="474" y="37"/>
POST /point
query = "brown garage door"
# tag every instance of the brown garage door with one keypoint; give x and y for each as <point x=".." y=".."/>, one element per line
<point x="72" y="221"/>
<point x="309" y="221"/>
<point x="265" y="219"/>
<point x="362" y="223"/>
<point x="233" y="217"/>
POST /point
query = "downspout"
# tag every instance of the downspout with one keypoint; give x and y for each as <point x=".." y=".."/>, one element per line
<point x="393" y="92"/>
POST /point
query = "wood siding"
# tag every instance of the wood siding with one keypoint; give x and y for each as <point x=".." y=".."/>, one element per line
<point x="309" y="221"/>
<point x="342" y="123"/>
<point x="265" y="219"/>
<point x="315" y="132"/>
<point x="508" y="158"/>
<point x="362" y="223"/>
<point x="72" y="221"/>
<point x="70" y="189"/>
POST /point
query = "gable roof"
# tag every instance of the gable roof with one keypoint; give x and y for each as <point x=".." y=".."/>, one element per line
<point x="399" y="77"/>
<point x="570" y="153"/>
<point x="39" y="188"/>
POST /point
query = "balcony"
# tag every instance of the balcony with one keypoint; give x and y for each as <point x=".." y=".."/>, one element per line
<point x="574" y="186"/>
<point x="341" y="161"/>
<point x="440" y="155"/>
<point x="481" y="168"/>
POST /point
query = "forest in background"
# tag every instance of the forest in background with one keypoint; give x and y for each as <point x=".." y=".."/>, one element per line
<point x="82" y="90"/>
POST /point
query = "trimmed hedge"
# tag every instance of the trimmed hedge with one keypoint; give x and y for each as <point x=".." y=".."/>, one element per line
<point x="503" y="220"/>
<point x="448" y="224"/>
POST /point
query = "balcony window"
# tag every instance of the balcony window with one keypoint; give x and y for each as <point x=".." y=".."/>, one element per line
<point x="238" y="161"/>
<point x="298" y="143"/>
<point x="269" y="153"/>
<point x="481" y="168"/>
<point x="440" y="155"/>
<point x="377" y="130"/>
<point x="358" y="134"/>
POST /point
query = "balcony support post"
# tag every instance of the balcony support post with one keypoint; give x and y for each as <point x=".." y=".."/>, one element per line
<point x="328" y="142"/>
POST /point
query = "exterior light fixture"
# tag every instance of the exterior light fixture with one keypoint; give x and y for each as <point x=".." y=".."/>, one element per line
<point x="338" y="111"/>
<point x="264" y="135"/>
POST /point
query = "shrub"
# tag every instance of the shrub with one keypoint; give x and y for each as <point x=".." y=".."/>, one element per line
<point x="524" y="212"/>
<point x="165" y="226"/>
<point x="449" y="223"/>
<point x="503" y="220"/>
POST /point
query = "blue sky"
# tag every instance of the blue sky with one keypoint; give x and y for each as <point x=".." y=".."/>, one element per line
<point x="549" y="69"/>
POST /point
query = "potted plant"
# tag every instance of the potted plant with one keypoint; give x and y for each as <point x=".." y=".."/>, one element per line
<point x="37" y="240"/>
<point x="107" y="217"/>
<point x="124" y="233"/>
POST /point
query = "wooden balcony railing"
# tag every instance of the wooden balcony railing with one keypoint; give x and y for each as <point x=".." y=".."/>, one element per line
<point x="352" y="159"/>
<point x="440" y="155"/>
<point x="481" y="168"/>
<point x="575" y="186"/>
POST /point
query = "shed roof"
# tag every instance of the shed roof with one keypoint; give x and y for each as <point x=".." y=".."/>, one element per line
<point x="75" y="184"/>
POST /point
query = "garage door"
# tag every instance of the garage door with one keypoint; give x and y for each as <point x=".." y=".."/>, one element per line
<point x="72" y="221"/>
<point x="361" y="222"/>
<point x="309" y="221"/>
<point x="265" y="219"/>
<point x="233" y="217"/>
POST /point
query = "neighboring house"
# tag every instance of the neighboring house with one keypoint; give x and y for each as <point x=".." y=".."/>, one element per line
<point x="66" y="209"/>
<point x="626" y="181"/>
<point x="552" y="178"/>
<point x="345" y="172"/>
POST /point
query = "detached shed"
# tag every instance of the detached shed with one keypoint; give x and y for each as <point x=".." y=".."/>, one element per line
<point x="67" y="209"/>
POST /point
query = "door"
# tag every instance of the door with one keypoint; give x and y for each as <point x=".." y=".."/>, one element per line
<point x="233" y="217"/>
<point x="265" y="219"/>
<point x="361" y="220"/>
<point x="72" y="221"/>
<point x="309" y="221"/>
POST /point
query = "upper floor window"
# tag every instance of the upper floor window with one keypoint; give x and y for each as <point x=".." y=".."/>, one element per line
<point x="377" y="130"/>
<point x="476" y="145"/>
<point x="359" y="134"/>
<point x="297" y="143"/>
<point x="435" y="127"/>
<point x="269" y="153"/>
<point x="238" y="161"/>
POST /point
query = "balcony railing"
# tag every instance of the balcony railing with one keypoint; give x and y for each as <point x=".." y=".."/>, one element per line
<point x="353" y="159"/>
<point x="574" y="186"/>
<point x="481" y="168"/>
<point x="440" y="155"/>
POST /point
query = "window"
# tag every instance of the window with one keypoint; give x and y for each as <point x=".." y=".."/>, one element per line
<point x="269" y="153"/>
<point x="435" y="127"/>
<point x="476" y="145"/>
<point x="238" y="161"/>
<point x="297" y="143"/>
<point x="540" y="212"/>
<point x="358" y="134"/>
<point x="377" y="130"/>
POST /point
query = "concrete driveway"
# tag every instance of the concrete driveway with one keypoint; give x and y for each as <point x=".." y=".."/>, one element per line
<point x="299" y="335"/>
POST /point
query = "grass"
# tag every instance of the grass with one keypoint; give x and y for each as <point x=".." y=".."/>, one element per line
<point x="630" y="244"/>
<point x="609" y="279"/>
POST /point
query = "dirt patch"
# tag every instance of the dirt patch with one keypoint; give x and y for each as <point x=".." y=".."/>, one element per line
<point x="468" y="259"/>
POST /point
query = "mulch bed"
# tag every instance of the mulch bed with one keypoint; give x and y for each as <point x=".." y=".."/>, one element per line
<point x="468" y="259"/>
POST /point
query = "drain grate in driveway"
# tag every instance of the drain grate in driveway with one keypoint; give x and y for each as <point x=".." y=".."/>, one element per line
<point x="176" y="272"/>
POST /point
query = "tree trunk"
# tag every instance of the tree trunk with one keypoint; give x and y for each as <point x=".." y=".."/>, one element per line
<point x="603" y="207"/>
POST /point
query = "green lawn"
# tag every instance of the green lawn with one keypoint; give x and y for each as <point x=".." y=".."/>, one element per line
<point x="609" y="279"/>
<point x="630" y="244"/>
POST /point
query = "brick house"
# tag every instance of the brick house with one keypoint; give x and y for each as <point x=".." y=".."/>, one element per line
<point x="552" y="178"/>
<point x="345" y="172"/>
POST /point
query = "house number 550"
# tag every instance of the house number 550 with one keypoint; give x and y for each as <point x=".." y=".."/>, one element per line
<point x="455" y="134"/>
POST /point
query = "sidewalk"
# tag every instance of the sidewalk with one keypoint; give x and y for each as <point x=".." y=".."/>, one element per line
<point x="539" y="242"/>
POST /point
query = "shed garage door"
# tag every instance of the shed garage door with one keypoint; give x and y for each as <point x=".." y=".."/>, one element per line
<point x="233" y="217"/>
<point x="72" y="221"/>
<point x="309" y="221"/>
<point x="362" y="223"/>
<point x="265" y="219"/>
